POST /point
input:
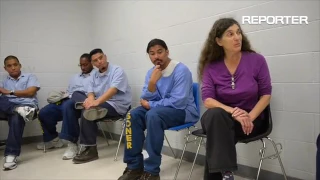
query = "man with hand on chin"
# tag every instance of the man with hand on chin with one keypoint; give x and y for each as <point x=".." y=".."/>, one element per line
<point x="156" y="75"/>
<point x="166" y="101"/>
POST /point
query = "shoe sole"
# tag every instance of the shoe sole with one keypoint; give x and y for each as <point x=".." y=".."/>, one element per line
<point x="30" y="116"/>
<point x="53" y="147"/>
<point x="94" y="114"/>
<point x="46" y="148"/>
<point x="66" y="158"/>
<point x="137" y="178"/>
<point x="82" y="162"/>
<point x="78" y="105"/>
<point x="11" y="168"/>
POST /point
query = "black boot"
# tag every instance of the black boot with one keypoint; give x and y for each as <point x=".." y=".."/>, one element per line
<point x="148" y="176"/>
<point x="90" y="153"/>
<point x="131" y="174"/>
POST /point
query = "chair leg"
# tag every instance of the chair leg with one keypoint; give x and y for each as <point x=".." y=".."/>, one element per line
<point x="278" y="156"/>
<point x="44" y="144"/>
<point x="261" y="153"/>
<point x="110" y="133"/>
<point x="104" y="135"/>
<point x="184" y="149"/>
<point x="122" y="131"/>
<point x="174" y="155"/>
<point x="195" y="158"/>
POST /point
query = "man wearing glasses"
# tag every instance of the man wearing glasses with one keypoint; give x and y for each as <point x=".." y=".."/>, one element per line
<point x="63" y="108"/>
<point x="109" y="95"/>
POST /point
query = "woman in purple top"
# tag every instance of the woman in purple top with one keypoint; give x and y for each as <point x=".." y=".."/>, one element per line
<point x="236" y="88"/>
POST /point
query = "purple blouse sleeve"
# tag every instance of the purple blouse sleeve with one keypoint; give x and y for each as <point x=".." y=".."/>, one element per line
<point x="263" y="78"/>
<point x="208" y="87"/>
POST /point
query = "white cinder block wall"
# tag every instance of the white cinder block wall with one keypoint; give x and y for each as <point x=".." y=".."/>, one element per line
<point x="123" y="29"/>
<point x="48" y="37"/>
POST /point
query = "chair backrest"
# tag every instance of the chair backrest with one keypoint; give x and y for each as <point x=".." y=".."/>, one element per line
<point x="195" y="87"/>
<point x="266" y="127"/>
<point x="267" y="115"/>
<point x="195" y="93"/>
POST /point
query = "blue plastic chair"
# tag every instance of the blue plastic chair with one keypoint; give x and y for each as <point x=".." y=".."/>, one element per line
<point x="176" y="128"/>
<point x="186" y="126"/>
<point x="195" y="87"/>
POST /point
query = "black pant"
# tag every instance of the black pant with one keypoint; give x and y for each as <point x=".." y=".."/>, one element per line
<point x="222" y="133"/>
<point x="89" y="129"/>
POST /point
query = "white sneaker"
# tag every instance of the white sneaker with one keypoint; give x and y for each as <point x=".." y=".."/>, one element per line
<point x="26" y="112"/>
<point x="10" y="162"/>
<point x="55" y="143"/>
<point x="71" y="151"/>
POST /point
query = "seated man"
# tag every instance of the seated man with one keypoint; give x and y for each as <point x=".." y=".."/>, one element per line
<point x="54" y="112"/>
<point x="166" y="101"/>
<point x="109" y="95"/>
<point x="19" y="103"/>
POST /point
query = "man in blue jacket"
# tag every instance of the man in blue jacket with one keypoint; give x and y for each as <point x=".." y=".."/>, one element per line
<point x="166" y="101"/>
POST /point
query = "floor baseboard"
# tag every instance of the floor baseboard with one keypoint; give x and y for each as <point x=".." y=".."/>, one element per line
<point x="243" y="171"/>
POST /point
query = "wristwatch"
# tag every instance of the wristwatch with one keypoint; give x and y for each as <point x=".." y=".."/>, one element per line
<point x="12" y="92"/>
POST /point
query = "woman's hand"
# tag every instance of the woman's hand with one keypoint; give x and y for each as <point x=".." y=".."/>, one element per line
<point x="239" y="112"/>
<point x="246" y="124"/>
<point x="244" y="119"/>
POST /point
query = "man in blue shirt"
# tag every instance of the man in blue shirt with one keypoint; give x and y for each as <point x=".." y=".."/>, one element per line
<point x="54" y="112"/>
<point x="166" y="101"/>
<point x="109" y="95"/>
<point x="18" y="103"/>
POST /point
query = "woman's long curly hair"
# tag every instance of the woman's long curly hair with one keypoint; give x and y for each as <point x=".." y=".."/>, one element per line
<point x="211" y="51"/>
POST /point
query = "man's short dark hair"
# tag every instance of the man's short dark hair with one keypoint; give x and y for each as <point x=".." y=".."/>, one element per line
<point x="155" y="42"/>
<point x="86" y="55"/>
<point x="95" y="51"/>
<point x="10" y="57"/>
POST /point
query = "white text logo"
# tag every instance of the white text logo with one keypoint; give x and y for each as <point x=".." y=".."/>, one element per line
<point x="275" y="19"/>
